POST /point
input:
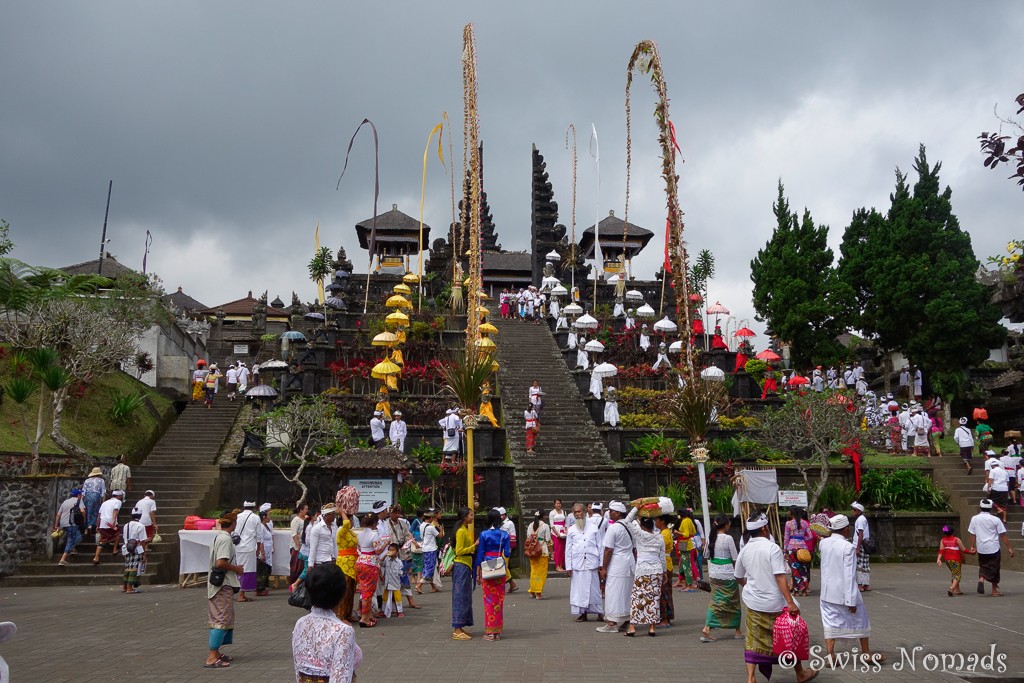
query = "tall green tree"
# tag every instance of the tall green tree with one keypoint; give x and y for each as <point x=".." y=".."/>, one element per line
<point x="913" y="272"/>
<point x="796" y="288"/>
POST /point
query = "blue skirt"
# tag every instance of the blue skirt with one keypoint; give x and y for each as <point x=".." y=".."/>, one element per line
<point x="462" y="595"/>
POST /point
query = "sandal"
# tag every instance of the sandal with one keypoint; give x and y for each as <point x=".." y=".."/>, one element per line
<point x="363" y="624"/>
<point x="219" y="664"/>
<point x="245" y="600"/>
<point x="461" y="636"/>
<point x="227" y="658"/>
<point x="706" y="639"/>
<point x="581" y="618"/>
<point x="417" y="589"/>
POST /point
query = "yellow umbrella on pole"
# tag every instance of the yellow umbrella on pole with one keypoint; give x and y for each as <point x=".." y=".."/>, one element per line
<point x="488" y="328"/>
<point x="385" y="369"/>
<point x="398" y="301"/>
<point x="397" y="318"/>
<point x="388" y="339"/>
<point x="403" y="289"/>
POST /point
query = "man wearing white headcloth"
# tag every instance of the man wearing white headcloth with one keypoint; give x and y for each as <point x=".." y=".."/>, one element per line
<point x="247" y="528"/>
<point x="377" y="429"/>
<point x="630" y="320"/>
<point x="582" y="560"/>
<point x="861" y="542"/>
<point x="762" y="571"/>
<point x="843" y="614"/>
<point x="450" y="425"/>
<point x="965" y="440"/>
<point x="662" y="357"/>
<point x="509" y="527"/>
<point x="617" y="570"/>
<point x="582" y="357"/>
<point x="645" y="339"/>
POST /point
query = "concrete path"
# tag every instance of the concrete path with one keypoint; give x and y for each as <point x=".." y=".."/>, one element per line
<point x="93" y="634"/>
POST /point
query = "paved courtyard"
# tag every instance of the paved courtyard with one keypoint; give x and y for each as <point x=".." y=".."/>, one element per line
<point x="97" y="634"/>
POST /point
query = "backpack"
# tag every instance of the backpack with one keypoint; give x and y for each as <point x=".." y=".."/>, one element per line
<point x="78" y="517"/>
<point x="533" y="548"/>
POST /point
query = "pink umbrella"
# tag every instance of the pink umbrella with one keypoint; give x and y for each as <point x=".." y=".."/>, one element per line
<point x="768" y="355"/>
<point x="744" y="332"/>
<point x="718" y="309"/>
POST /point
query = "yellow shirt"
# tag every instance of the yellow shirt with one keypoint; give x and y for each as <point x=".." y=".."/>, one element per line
<point x="666" y="534"/>
<point x="347" y="540"/>
<point x="689" y="530"/>
<point x="464" y="546"/>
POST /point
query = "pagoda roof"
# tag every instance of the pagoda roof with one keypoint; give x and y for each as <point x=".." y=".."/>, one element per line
<point x="514" y="262"/>
<point x="393" y="226"/>
<point x="243" y="308"/>
<point x="183" y="301"/>
<point x="611" y="230"/>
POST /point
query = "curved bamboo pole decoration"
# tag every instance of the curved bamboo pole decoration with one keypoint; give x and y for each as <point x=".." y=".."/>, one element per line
<point x="471" y="128"/>
<point x="572" y="233"/>
<point x="646" y="59"/>
<point x="423" y="195"/>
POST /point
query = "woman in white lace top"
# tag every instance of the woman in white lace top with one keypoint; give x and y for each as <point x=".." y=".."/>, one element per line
<point x="645" y="598"/>
<point x="323" y="646"/>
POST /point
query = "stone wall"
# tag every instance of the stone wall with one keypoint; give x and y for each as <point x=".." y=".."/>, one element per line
<point x="27" y="509"/>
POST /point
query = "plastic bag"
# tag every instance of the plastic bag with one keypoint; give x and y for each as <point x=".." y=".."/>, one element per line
<point x="790" y="634"/>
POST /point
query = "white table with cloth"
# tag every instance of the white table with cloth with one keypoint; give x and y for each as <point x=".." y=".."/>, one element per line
<point x="195" y="553"/>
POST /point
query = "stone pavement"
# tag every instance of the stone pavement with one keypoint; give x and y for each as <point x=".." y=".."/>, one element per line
<point x="93" y="634"/>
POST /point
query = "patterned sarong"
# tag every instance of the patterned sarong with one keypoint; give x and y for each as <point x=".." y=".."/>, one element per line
<point x="222" y="617"/>
<point x="366" y="576"/>
<point x="801" y="572"/>
<point x="494" y="605"/>
<point x="863" y="568"/>
<point x="462" y="595"/>
<point x="724" y="610"/>
<point x="954" y="567"/>
<point x="538" y="574"/>
<point x="667" y="603"/>
<point x="645" y="599"/>
<point x="758" y="646"/>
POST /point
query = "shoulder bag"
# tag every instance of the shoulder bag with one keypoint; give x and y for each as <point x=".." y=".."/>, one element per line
<point x="493" y="568"/>
<point x="300" y="598"/>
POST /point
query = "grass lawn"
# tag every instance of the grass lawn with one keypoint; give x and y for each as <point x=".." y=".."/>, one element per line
<point x="87" y="419"/>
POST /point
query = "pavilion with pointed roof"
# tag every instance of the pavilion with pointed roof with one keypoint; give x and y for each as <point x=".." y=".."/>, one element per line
<point x="398" y="238"/>
<point x="612" y="245"/>
<point x="241" y="310"/>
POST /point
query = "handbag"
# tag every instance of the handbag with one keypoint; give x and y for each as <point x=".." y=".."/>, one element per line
<point x="217" y="577"/>
<point x="790" y="635"/>
<point x="447" y="560"/>
<point x="300" y="598"/>
<point x="704" y="585"/>
<point x="493" y="568"/>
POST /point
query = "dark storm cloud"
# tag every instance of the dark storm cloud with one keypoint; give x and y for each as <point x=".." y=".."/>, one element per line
<point x="224" y="125"/>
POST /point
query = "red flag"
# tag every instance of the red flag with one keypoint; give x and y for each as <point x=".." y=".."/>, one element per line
<point x="668" y="231"/>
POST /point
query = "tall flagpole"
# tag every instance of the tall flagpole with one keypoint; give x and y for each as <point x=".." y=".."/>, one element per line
<point x="572" y="234"/>
<point x="595" y="151"/>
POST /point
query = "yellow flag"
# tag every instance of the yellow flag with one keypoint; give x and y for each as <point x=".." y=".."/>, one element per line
<point x="319" y="283"/>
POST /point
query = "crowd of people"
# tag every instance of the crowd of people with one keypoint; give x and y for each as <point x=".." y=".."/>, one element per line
<point x="206" y="381"/>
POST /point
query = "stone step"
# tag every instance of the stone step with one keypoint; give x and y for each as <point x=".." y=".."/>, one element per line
<point x="61" y="578"/>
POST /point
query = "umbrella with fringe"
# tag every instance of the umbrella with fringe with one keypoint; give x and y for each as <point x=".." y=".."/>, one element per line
<point x="634" y="297"/>
<point x="410" y="278"/>
<point x="314" y="316"/>
<point x="744" y="332"/>
<point x="385" y="339"/>
<point x="712" y="373"/>
<point x="488" y="328"/>
<point x="336" y="303"/>
<point x="384" y="369"/>
<point x="397" y="318"/>
<point x="402" y="289"/>
<point x="261" y="391"/>
<point x="605" y="370"/>
<point x="645" y="312"/>
<point x="273" y="364"/>
<point x="768" y="355"/>
<point x="586" y="322"/>
<point x="675" y="347"/>
<point x="594" y="346"/>
<point x="573" y="310"/>
<point x="398" y="301"/>
<point x="559" y="290"/>
<point x="718" y="309"/>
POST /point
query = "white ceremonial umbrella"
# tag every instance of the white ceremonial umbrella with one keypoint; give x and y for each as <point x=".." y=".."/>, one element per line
<point x="645" y="312"/>
<point x="605" y="370"/>
<point x="665" y="325"/>
<point x="634" y="297"/>
<point x="594" y="346"/>
<point x="586" y="322"/>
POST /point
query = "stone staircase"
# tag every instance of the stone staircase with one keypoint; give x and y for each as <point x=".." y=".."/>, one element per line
<point x="572" y="462"/>
<point x="181" y="472"/>
<point x="964" y="495"/>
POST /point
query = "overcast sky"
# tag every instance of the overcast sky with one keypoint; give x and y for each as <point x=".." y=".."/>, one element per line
<point x="224" y="125"/>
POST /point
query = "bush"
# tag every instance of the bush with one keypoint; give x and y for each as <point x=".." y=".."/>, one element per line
<point x="738" y="422"/>
<point x="642" y="421"/>
<point x="836" y="497"/>
<point x="658" y="449"/>
<point x="123" y="406"/>
<point x="756" y="368"/>
<point x="906" y="490"/>
<point x="410" y="496"/>
<point x="679" y="493"/>
<point x="633" y="400"/>
<point x="720" y="499"/>
<point x="425" y="454"/>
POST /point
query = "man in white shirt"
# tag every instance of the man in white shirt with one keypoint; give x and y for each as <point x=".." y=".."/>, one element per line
<point x="998" y="486"/>
<point x="399" y="430"/>
<point x="296" y="527"/>
<point x="247" y="528"/>
<point x="323" y="544"/>
<point x="243" y="377"/>
<point x="986" y="531"/>
<point x="843" y="614"/>
<point x="147" y="506"/>
<point x="762" y="571"/>
<point x="509" y="527"/>
<point x="232" y="377"/>
<point x="451" y="428"/>
<point x="861" y="542"/>
<point x="265" y="553"/>
<point x="965" y="440"/>
<point x="1010" y="463"/>
<point x="377" y="426"/>
<point x="617" y="570"/>
<point x="920" y="426"/>
<point x="904" y="418"/>
<point x="106" y="525"/>
<point x="583" y="554"/>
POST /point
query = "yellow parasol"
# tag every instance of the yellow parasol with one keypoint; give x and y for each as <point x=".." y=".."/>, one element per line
<point x="410" y="278"/>
<point x="485" y="343"/>
<point x="486" y="328"/>
<point x="402" y="289"/>
<point x="385" y="339"/>
<point x="385" y="369"/>
<point x="397" y="318"/>
<point x="483" y="296"/>
<point x="494" y="366"/>
<point x="398" y="301"/>
<point x="483" y="310"/>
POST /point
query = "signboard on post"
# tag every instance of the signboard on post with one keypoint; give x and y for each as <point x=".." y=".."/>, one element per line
<point x="241" y="349"/>
<point x="790" y="498"/>
<point x="371" y="490"/>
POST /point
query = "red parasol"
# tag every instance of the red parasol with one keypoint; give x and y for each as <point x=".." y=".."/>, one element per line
<point x="797" y="380"/>
<point x="744" y="332"/>
<point x="718" y="309"/>
<point x="768" y="355"/>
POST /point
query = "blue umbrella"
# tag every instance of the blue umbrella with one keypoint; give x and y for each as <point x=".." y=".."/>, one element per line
<point x="336" y="303"/>
<point x="293" y="335"/>
<point x="313" y="316"/>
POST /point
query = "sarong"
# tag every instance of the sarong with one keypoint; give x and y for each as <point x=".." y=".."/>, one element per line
<point x="106" y="537"/>
<point x="838" y="622"/>
<point x="197" y="391"/>
<point x="801" y="572"/>
<point x="863" y="569"/>
<point x="954" y="567"/>
<point x="724" y="610"/>
<point x="417" y="563"/>
<point x="295" y="565"/>
<point x="429" y="565"/>
<point x="645" y="599"/>
<point x="531" y="438"/>
<point x="666" y="603"/>
<point x="247" y="558"/>
<point x="558" y="545"/>
<point x="494" y="605"/>
<point x="131" y="569"/>
<point x="617" y="590"/>
<point x="222" y="617"/>
<point x="988" y="566"/>
<point x="758" y="646"/>
<point x="262" y="575"/>
<point x="585" y="592"/>
<point x="462" y="595"/>
<point x="406" y="583"/>
<point x="366" y="576"/>
<point x="248" y="581"/>
<point x="538" y="574"/>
